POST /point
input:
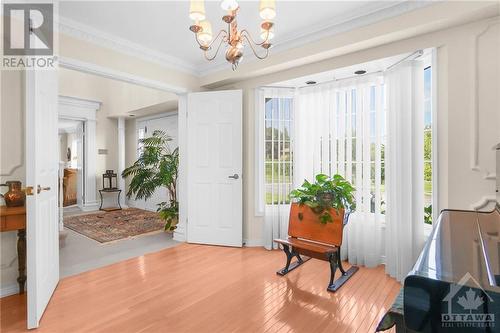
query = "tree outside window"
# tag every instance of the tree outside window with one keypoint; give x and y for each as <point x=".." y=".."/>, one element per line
<point x="427" y="145"/>
<point x="278" y="150"/>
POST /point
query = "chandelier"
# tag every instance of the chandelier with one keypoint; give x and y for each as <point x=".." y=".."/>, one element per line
<point x="234" y="38"/>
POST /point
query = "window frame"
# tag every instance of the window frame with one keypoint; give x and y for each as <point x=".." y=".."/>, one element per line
<point x="430" y="60"/>
<point x="260" y="158"/>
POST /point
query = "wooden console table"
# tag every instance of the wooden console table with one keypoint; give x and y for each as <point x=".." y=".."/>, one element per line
<point x="14" y="218"/>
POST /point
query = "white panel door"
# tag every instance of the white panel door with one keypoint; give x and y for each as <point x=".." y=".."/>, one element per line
<point x="41" y="207"/>
<point x="215" y="168"/>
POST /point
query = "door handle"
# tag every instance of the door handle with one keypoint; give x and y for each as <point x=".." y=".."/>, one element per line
<point x="28" y="190"/>
<point x="235" y="176"/>
<point x="40" y="189"/>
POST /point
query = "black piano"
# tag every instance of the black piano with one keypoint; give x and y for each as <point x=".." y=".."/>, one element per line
<point x="454" y="285"/>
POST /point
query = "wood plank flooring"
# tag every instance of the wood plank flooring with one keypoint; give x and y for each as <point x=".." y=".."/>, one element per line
<point x="197" y="288"/>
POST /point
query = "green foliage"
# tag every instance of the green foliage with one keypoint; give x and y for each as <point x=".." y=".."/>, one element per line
<point x="157" y="166"/>
<point x="428" y="214"/>
<point x="327" y="192"/>
<point x="427" y="144"/>
<point x="169" y="211"/>
<point x="428" y="155"/>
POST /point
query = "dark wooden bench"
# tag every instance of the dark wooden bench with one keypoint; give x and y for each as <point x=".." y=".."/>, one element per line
<point x="309" y="237"/>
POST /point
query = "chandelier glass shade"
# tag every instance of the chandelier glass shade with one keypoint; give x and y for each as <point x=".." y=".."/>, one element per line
<point x="233" y="38"/>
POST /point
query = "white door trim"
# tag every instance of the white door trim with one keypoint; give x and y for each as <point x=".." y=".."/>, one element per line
<point x="85" y="110"/>
<point x="180" y="233"/>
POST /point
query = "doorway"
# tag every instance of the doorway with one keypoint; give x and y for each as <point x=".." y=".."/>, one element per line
<point x="71" y="164"/>
<point x="145" y="127"/>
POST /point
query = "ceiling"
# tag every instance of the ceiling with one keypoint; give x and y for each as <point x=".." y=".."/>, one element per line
<point x="162" y="26"/>
<point x="344" y="72"/>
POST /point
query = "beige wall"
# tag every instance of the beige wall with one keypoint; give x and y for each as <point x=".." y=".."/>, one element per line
<point x="85" y="51"/>
<point x="117" y="98"/>
<point x="460" y="185"/>
<point x="12" y="165"/>
<point x="63" y="146"/>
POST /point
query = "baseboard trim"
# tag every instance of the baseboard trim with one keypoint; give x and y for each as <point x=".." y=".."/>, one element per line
<point x="9" y="290"/>
<point x="253" y="242"/>
<point x="179" y="235"/>
<point x="91" y="206"/>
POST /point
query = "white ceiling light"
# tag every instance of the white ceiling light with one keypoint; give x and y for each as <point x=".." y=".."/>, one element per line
<point x="197" y="10"/>
<point x="233" y="36"/>
<point x="229" y="5"/>
<point x="267" y="9"/>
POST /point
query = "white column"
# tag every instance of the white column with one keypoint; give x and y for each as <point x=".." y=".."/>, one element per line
<point x="121" y="158"/>
<point x="180" y="233"/>
<point x="90" y="202"/>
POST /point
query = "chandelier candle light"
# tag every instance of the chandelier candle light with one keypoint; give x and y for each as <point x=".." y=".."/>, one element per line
<point x="234" y="38"/>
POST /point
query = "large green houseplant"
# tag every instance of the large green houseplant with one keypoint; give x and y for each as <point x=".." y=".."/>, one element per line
<point x="325" y="193"/>
<point x="157" y="166"/>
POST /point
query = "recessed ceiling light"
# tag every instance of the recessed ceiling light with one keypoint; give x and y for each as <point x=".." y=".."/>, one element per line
<point x="360" y="72"/>
<point x="310" y="82"/>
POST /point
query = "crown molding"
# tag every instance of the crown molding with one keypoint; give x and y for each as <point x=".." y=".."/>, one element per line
<point x="87" y="33"/>
<point x="334" y="26"/>
<point x="90" y="68"/>
<point x="369" y="14"/>
<point x="79" y="102"/>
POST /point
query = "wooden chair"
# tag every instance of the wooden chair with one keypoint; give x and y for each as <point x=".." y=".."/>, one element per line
<point x="309" y="237"/>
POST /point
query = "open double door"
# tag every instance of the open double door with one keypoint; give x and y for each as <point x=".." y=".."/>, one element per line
<point x="214" y="185"/>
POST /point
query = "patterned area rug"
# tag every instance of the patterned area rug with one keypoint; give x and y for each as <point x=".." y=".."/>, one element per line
<point x="119" y="224"/>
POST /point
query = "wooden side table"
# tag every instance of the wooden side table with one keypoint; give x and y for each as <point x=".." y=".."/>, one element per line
<point x="14" y="218"/>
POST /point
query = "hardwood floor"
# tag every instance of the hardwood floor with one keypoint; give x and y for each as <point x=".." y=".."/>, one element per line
<point x="195" y="288"/>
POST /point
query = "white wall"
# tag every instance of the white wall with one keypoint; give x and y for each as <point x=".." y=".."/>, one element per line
<point x="165" y="121"/>
<point x="461" y="185"/>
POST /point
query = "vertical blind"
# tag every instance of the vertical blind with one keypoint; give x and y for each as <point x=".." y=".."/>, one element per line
<point x="340" y="129"/>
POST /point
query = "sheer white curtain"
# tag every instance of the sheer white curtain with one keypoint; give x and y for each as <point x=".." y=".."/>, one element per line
<point x="340" y="129"/>
<point x="404" y="159"/>
<point x="369" y="130"/>
<point x="276" y="111"/>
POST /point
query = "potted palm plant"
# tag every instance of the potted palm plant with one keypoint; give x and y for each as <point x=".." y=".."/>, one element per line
<point x="326" y="195"/>
<point x="157" y="166"/>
